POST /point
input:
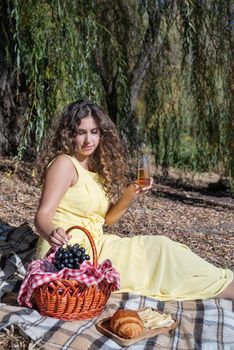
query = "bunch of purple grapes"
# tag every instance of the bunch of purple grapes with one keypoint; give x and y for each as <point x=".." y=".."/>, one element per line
<point x="71" y="257"/>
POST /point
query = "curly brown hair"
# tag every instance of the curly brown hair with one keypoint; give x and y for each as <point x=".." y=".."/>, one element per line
<point x="107" y="160"/>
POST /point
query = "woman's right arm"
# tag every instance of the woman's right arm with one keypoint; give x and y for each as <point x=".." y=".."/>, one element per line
<point x="60" y="176"/>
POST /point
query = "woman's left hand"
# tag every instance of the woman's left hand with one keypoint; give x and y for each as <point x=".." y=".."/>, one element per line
<point x="118" y="209"/>
<point x="145" y="189"/>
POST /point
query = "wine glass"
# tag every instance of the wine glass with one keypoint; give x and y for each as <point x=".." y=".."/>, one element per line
<point x="143" y="180"/>
<point x="143" y="172"/>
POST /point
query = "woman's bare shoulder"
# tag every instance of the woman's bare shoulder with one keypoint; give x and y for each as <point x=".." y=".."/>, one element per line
<point x="63" y="168"/>
<point x="62" y="159"/>
<point x="62" y="163"/>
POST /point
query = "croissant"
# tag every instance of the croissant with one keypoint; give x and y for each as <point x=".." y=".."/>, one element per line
<point x="126" y="323"/>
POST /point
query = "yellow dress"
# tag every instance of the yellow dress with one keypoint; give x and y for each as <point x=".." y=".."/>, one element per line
<point x="148" y="265"/>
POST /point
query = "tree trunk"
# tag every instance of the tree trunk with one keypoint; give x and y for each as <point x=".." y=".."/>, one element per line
<point x="7" y="114"/>
<point x="137" y="74"/>
<point x="12" y="102"/>
<point x="109" y="84"/>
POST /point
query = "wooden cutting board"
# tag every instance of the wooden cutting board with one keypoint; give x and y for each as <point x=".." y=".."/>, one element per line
<point x="103" y="326"/>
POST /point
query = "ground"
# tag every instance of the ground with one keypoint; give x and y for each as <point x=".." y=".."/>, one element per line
<point x="192" y="210"/>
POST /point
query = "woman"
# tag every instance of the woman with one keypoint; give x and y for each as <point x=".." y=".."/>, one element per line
<point x="79" y="189"/>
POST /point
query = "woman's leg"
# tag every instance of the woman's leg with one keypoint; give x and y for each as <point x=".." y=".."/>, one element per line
<point x="227" y="293"/>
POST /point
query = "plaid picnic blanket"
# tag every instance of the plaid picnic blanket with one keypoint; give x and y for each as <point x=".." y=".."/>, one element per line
<point x="17" y="250"/>
<point x="205" y="325"/>
<point x="202" y="324"/>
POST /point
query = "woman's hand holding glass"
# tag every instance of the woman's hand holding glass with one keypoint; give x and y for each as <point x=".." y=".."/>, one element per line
<point x="144" y="181"/>
<point x="143" y="189"/>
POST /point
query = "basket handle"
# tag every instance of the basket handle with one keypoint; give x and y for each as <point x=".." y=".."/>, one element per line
<point x="91" y="241"/>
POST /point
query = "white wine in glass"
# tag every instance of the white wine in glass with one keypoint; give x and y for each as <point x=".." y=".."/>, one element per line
<point x="143" y="173"/>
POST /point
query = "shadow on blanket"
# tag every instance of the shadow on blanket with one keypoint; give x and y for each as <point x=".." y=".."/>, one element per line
<point x="203" y="324"/>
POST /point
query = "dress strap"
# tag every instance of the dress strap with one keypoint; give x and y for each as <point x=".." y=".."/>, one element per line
<point x="76" y="164"/>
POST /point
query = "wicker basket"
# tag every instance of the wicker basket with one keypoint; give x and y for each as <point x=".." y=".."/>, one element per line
<point x="69" y="299"/>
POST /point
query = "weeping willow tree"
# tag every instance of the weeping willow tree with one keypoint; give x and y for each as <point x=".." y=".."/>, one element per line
<point x="47" y="46"/>
<point x="191" y="79"/>
<point x="163" y="69"/>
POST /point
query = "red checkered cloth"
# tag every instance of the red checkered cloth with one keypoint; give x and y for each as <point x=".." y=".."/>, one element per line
<point x="43" y="271"/>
